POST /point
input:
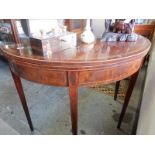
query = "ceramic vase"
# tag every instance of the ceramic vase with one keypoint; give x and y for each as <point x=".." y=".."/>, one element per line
<point x="87" y="36"/>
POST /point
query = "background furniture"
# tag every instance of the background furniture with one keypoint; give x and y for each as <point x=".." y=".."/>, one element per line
<point x="145" y="30"/>
<point x="75" y="25"/>
<point x="5" y="31"/>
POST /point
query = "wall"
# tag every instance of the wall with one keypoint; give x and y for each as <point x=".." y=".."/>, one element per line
<point x="98" y="27"/>
<point x="46" y="24"/>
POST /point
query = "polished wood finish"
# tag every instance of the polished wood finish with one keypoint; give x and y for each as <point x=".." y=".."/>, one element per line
<point x="148" y="32"/>
<point x="73" y="78"/>
<point x="70" y="25"/>
<point x="16" y="78"/>
<point x="84" y="65"/>
<point x="20" y="91"/>
<point x="116" y="90"/>
<point x="136" y="118"/>
<point x="132" y="82"/>
<point x="145" y="30"/>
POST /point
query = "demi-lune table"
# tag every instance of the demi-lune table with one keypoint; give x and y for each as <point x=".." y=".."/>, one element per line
<point x="65" y="65"/>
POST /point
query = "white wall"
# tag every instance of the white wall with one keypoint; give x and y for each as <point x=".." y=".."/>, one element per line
<point x="46" y="24"/>
<point x="98" y="27"/>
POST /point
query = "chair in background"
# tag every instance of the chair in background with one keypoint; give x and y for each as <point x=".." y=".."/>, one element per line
<point x="148" y="32"/>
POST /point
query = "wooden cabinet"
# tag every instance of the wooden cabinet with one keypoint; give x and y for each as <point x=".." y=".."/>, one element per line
<point x="75" y="25"/>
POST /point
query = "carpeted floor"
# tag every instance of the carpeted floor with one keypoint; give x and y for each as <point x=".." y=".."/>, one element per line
<point x="109" y="89"/>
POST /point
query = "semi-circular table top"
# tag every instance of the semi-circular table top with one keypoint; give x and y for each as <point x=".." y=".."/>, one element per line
<point x="62" y="54"/>
<point x="99" y="62"/>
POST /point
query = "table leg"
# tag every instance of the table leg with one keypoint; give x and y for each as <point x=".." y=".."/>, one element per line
<point x="116" y="89"/>
<point x="132" y="82"/>
<point x="20" y="91"/>
<point x="73" y="94"/>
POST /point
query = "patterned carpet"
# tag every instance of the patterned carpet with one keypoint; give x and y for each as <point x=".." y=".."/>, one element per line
<point x="109" y="89"/>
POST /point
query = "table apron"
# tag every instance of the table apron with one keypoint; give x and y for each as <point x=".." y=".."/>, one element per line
<point x="85" y="77"/>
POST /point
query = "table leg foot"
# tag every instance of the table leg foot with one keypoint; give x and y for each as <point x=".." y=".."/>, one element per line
<point x="73" y="94"/>
<point x="132" y="82"/>
<point x="20" y="91"/>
